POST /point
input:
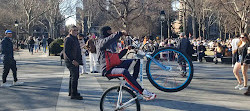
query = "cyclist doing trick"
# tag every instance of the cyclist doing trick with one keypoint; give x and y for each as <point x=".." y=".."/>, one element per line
<point x="106" y="43"/>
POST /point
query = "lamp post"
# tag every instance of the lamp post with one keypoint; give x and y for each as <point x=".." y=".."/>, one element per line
<point x="17" y="36"/>
<point x="162" y="19"/>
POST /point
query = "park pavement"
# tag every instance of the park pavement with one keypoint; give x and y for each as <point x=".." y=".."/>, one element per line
<point x="46" y="89"/>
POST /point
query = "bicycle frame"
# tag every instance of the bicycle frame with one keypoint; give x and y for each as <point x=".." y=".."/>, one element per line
<point x="126" y="104"/>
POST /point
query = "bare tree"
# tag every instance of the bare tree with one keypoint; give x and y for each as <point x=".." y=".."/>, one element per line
<point x="239" y="9"/>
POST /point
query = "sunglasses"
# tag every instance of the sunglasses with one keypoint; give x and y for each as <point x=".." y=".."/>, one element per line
<point x="242" y="37"/>
<point x="79" y="39"/>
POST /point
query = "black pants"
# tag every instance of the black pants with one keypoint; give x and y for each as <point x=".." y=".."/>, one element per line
<point x="73" y="80"/>
<point x="9" y="64"/>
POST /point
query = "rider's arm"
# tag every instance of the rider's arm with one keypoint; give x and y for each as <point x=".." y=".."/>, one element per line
<point x="105" y="42"/>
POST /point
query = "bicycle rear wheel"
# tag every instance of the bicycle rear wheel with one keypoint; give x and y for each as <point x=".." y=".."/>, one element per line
<point x="174" y="79"/>
<point x="110" y="97"/>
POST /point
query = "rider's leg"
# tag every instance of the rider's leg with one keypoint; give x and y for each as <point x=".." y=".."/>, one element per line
<point x="136" y="69"/>
<point x="122" y="72"/>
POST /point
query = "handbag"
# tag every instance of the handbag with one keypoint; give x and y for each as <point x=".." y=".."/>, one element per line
<point x="112" y="59"/>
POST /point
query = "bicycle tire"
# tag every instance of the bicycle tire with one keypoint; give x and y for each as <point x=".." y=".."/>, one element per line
<point x="156" y="83"/>
<point x="130" y="55"/>
<point x="116" y="89"/>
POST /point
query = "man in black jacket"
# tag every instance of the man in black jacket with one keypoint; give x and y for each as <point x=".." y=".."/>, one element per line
<point x="185" y="46"/>
<point x="73" y="59"/>
<point x="9" y="61"/>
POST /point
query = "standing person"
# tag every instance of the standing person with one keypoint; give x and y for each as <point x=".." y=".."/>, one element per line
<point x="242" y="58"/>
<point x="44" y="44"/>
<point x="104" y="46"/>
<point x="9" y="61"/>
<point x="49" y="40"/>
<point x="185" y="46"/>
<point x="36" y="44"/>
<point x="73" y="58"/>
<point x="91" y="46"/>
<point x="82" y="68"/>
<point x="31" y="43"/>
<point x="234" y="45"/>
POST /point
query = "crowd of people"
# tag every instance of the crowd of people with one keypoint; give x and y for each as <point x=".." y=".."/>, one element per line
<point x="34" y="44"/>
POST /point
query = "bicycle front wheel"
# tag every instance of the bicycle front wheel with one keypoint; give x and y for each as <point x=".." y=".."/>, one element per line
<point x="169" y="70"/>
<point x="110" y="97"/>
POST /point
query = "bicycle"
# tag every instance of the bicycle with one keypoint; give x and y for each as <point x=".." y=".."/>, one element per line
<point x="124" y="96"/>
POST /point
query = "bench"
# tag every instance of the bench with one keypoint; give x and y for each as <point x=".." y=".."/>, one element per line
<point x="209" y="58"/>
<point x="226" y="60"/>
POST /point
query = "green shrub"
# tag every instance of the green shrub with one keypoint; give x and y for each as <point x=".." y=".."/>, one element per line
<point x="55" y="48"/>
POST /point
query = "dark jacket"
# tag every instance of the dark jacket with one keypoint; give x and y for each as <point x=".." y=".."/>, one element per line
<point x="72" y="49"/>
<point x="185" y="46"/>
<point x="102" y="45"/>
<point x="7" y="49"/>
<point x="31" y="42"/>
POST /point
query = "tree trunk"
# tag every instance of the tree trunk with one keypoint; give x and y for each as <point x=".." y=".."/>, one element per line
<point x="194" y="26"/>
<point x="200" y="28"/>
<point x="225" y="36"/>
<point x="208" y="32"/>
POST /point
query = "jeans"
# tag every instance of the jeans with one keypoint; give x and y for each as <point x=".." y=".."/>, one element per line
<point x="9" y="64"/>
<point x="74" y="76"/>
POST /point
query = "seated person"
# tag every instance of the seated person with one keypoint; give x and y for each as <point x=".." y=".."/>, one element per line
<point x="218" y="52"/>
<point x="104" y="44"/>
<point x="201" y="51"/>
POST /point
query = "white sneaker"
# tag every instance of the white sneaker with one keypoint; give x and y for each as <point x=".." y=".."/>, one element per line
<point x="243" y="88"/>
<point x="148" y="95"/>
<point x="17" y="83"/>
<point x="238" y="86"/>
<point x="6" y="85"/>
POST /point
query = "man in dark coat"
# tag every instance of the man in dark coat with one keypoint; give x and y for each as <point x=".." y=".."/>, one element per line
<point x="73" y="59"/>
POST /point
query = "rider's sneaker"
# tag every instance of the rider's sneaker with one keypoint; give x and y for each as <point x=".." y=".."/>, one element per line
<point x="17" y="83"/>
<point x="6" y="85"/>
<point x="148" y="95"/>
<point x="238" y="86"/>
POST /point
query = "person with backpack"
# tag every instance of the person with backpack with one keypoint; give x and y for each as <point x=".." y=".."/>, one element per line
<point x="112" y="66"/>
<point x="8" y="60"/>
